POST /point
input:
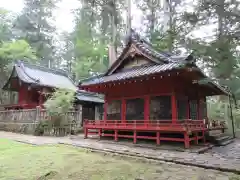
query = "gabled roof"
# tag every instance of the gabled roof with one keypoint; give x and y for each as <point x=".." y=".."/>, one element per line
<point x="161" y="62"/>
<point x="82" y="95"/>
<point x="147" y="50"/>
<point x="38" y="75"/>
<point x="134" y="72"/>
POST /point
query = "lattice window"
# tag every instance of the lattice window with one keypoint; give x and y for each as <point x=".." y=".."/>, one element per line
<point x="182" y="103"/>
<point x="160" y="108"/>
<point x="114" y="110"/>
<point x="193" y="114"/>
<point x="135" y="109"/>
<point x="203" y="110"/>
<point x="88" y="111"/>
<point x="100" y="111"/>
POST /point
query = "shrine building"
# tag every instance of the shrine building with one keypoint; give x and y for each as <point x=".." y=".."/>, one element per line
<point x="152" y="94"/>
<point x="33" y="84"/>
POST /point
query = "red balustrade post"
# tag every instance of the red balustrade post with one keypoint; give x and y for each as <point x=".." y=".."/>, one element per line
<point x="186" y="140"/>
<point x="85" y="129"/>
<point x="115" y="135"/>
<point x="158" y="138"/>
<point x="174" y="108"/>
<point x="204" y="138"/>
<point x="100" y="133"/>
<point x="134" y="132"/>
<point x="135" y="137"/>
<point x="146" y="109"/>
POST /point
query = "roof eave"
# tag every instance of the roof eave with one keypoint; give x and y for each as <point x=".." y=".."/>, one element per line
<point x="5" y="86"/>
<point x="220" y="89"/>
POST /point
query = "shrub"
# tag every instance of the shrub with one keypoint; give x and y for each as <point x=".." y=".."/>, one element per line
<point x="57" y="107"/>
<point x="60" y="103"/>
<point x="39" y="131"/>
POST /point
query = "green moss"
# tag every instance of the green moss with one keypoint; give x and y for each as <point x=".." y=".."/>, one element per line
<point x="59" y="162"/>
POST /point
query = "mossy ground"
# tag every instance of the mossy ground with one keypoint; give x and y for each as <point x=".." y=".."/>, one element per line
<point x="58" y="162"/>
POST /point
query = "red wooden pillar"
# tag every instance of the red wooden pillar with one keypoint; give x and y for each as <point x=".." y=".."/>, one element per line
<point x="186" y="140"/>
<point x="174" y="108"/>
<point x="115" y="135"/>
<point x="123" y="112"/>
<point x="85" y="132"/>
<point x="204" y="138"/>
<point x="100" y="133"/>
<point x="40" y="103"/>
<point x="158" y="138"/>
<point x="135" y="137"/>
<point x="146" y="109"/>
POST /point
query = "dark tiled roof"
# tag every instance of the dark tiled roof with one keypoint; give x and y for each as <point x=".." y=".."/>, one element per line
<point x="89" y="97"/>
<point x="134" y="72"/>
<point x="34" y="74"/>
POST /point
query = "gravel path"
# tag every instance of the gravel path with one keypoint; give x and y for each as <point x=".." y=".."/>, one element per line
<point x="230" y="152"/>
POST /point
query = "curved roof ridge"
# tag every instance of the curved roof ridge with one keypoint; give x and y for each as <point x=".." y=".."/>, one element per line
<point x="21" y="65"/>
<point x="43" y="68"/>
<point x="35" y="74"/>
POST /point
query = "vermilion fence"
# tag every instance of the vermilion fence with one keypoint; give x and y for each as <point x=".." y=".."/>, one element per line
<point x="192" y="130"/>
<point x="147" y="125"/>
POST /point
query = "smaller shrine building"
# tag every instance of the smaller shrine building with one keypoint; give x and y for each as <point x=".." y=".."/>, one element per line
<point x="33" y="84"/>
<point x="152" y="94"/>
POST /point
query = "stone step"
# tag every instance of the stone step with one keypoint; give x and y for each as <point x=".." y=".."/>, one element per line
<point x="215" y="132"/>
<point x="216" y="136"/>
<point x="222" y="138"/>
<point x="224" y="143"/>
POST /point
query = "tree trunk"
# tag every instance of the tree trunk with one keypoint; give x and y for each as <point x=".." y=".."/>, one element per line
<point x="152" y="22"/>
<point x="129" y="18"/>
<point x="170" y="31"/>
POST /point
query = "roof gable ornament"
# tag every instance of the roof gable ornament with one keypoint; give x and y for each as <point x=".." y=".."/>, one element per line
<point x="133" y="52"/>
<point x="136" y="44"/>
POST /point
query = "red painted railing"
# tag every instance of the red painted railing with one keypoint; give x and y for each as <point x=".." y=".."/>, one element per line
<point x="146" y="125"/>
<point x="185" y="127"/>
